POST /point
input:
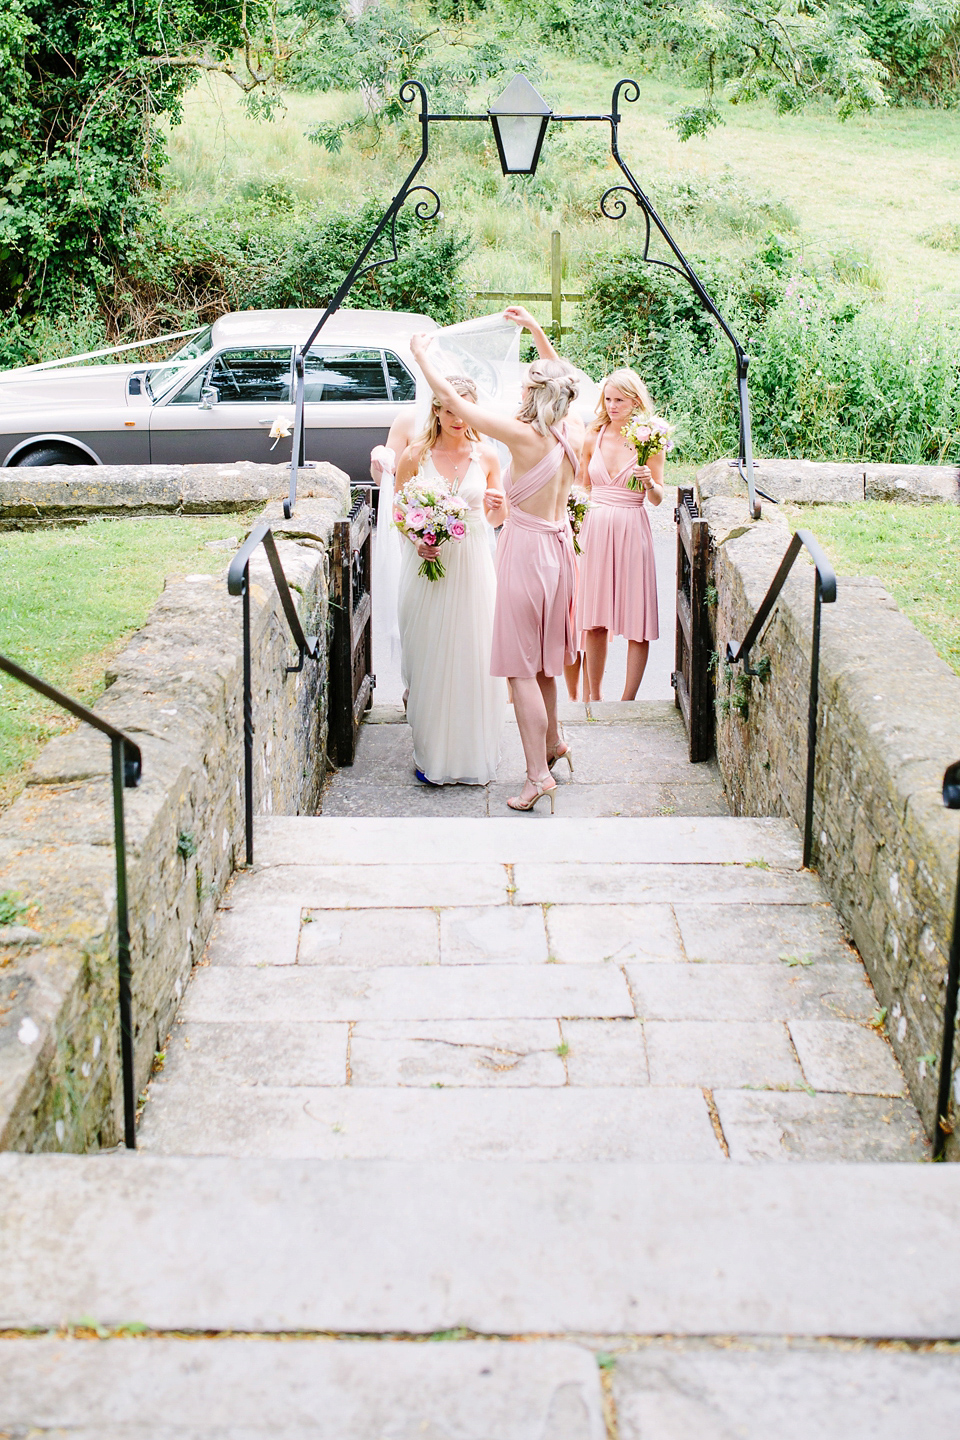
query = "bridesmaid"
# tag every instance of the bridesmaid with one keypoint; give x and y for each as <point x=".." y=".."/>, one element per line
<point x="618" y="581"/>
<point x="533" y="632"/>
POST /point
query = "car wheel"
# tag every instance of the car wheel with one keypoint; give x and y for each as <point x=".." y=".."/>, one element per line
<point x="51" y="454"/>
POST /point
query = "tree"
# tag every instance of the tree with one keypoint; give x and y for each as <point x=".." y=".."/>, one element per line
<point x="82" y="85"/>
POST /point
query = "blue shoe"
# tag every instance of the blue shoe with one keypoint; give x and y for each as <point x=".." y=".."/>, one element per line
<point x="424" y="781"/>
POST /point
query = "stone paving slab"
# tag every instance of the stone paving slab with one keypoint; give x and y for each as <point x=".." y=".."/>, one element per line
<point x="487" y="1053"/>
<point x="250" y="933"/>
<point x="846" y="1058"/>
<point x="493" y="934"/>
<point x="579" y="1125"/>
<point x="455" y="992"/>
<point x="357" y="938"/>
<point x="585" y="934"/>
<point x="728" y="883"/>
<point x="761" y="1126"/>
<point x="605" y="1052"/>
<point x="379" y="886"/>
<point x="413" y="799"/>
<point x="261" y="1052"/>
<point x="751" y="992"/>
<point x="318" y="841"/>
<point x="723" y="1249"/>
<point x="714" y="1053"/>
<point x="240" y="1389"/>
<point x="687" y="1391"/>
<point x="761" y="932"/>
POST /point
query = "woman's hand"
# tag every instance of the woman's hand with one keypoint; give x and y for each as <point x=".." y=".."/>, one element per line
<point x="645" y="475"/>
<point x="427" y="552"/>
<point x="419" y="344"/>
<point x="495" y="504"/>
<point x="520" y="317"/>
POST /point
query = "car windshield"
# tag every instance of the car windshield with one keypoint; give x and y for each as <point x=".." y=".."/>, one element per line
<point x="162" y="377"/>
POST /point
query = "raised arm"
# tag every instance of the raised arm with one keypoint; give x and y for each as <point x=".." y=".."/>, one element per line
<point x="486" y="422"/>
<point x="525" y="320"/>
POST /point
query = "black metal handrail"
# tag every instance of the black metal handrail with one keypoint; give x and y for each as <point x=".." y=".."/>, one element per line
<point x="126" y="769"/>
<point x="238" y="583"/>
<point x="951" y="798"/>
<point x="825" y="591"/>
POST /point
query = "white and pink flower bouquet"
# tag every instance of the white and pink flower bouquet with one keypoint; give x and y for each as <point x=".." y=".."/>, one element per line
<point x="648" y="434"/>
<point x="431" y="513"/>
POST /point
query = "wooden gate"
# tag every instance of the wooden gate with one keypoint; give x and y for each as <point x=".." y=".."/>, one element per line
<point x="351" y="650"/>
<point x="691" y="678"/>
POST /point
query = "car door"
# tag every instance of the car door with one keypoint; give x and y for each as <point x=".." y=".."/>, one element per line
<point x="350" y="400"/>
<point x="225" y="411"/>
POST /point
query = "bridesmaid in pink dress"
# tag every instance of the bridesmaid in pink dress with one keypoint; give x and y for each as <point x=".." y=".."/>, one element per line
<point x="618" y="580"/>
<point x="533" y="625"/>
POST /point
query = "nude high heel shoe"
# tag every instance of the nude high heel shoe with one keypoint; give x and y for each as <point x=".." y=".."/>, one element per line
<point x="515" y="803"/>
<point x="565" y="754"/>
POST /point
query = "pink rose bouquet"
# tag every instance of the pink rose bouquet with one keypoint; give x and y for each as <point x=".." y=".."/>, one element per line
<point x="648" y="434"/>
<point x="431" y="513"/>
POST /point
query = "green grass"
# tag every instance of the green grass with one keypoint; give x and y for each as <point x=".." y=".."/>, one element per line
<point x="873" y="199"/>
<point x="69" y="599"/>
<point x="914" y="550"/>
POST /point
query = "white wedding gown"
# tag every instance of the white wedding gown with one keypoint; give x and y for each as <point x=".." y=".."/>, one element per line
<point x="455" y="707"/>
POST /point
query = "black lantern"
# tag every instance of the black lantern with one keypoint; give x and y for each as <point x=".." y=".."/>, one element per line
<point x="519" y="119"/>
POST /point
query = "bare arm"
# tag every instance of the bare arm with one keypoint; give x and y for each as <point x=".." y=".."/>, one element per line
<point x="408" y="467"/>
<point x="651" y="475"/>
<point x="400" y="436"/>
<point x="525" y="320"/>
<point x="487" y="422"/>
<point x="494" y="501"/>
<point x="583" y="474"/>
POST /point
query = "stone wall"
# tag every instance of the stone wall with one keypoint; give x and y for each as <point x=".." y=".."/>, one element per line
<point x="815" y="482"/>
<point x="32" y="497"/>
<point x="889" y="725"/>
<point x="177" y="690"/>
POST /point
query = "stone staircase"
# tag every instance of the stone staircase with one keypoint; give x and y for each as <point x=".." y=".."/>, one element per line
<point x="595" y="1106"/>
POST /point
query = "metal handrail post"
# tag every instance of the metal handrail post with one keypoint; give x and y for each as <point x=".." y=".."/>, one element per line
<point x="812" y="724"/>
<point x="951" y="798"/>
<point x="124" y="969"/>
<point x="238" y="583"/>
<point x="248" y="726"/>
<point x="126" y="765"/>
<point x="824" y="592"/>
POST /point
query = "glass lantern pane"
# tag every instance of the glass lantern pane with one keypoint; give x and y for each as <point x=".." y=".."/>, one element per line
<point x="518" y="136"/>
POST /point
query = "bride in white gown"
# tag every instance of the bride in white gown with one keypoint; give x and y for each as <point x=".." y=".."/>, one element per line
<point x="455" y="707"/>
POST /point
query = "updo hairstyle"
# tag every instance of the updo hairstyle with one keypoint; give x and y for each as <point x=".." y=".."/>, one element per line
<point x="550" y="388"/>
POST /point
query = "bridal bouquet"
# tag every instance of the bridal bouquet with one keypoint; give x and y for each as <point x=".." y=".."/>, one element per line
<point x="577" y="507"/>
<point x="648" y="434"/>
<point x="429" y="512"/>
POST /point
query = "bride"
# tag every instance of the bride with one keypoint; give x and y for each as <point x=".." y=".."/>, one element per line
<point x="455" y="708"/>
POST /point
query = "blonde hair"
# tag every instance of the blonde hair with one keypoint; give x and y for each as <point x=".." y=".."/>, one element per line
<point x="551" y="386"/>
<point x="628" y="382"/>
<point x="430" y="434"/>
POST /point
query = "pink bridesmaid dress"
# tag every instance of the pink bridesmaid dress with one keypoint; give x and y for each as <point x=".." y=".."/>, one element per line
<point x="618" y="578"/>
<point x="533" y="628"/>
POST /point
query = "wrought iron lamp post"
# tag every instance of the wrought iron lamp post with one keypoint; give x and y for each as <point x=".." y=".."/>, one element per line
<point x="520" y="119"/>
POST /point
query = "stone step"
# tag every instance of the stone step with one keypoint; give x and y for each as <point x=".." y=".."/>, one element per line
<point x="240" y="1389"/>
<point x="318" y="1389"/>
<point x="404" y="841"/>
<point x="259" y="1246"/>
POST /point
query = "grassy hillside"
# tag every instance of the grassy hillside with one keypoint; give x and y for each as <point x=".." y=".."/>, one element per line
<point x="857" y="197"/>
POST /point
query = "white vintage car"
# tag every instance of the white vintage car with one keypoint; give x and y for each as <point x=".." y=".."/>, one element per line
<point x="219" y="397"/>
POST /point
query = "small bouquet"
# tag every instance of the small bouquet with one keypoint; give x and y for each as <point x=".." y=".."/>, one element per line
<point x="429" y="512"/>
<point x="577" y="507"/>
<point x="648" y="434"/>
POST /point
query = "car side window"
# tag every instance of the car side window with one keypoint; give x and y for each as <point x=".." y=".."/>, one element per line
<point x="331" y="375"/>
<point x="251" y="377"/>
<point x="402" y="383"/>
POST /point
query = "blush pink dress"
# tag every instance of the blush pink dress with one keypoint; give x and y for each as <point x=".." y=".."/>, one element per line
<point x="618" y="578"/>
<point x="533" y="624"/>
